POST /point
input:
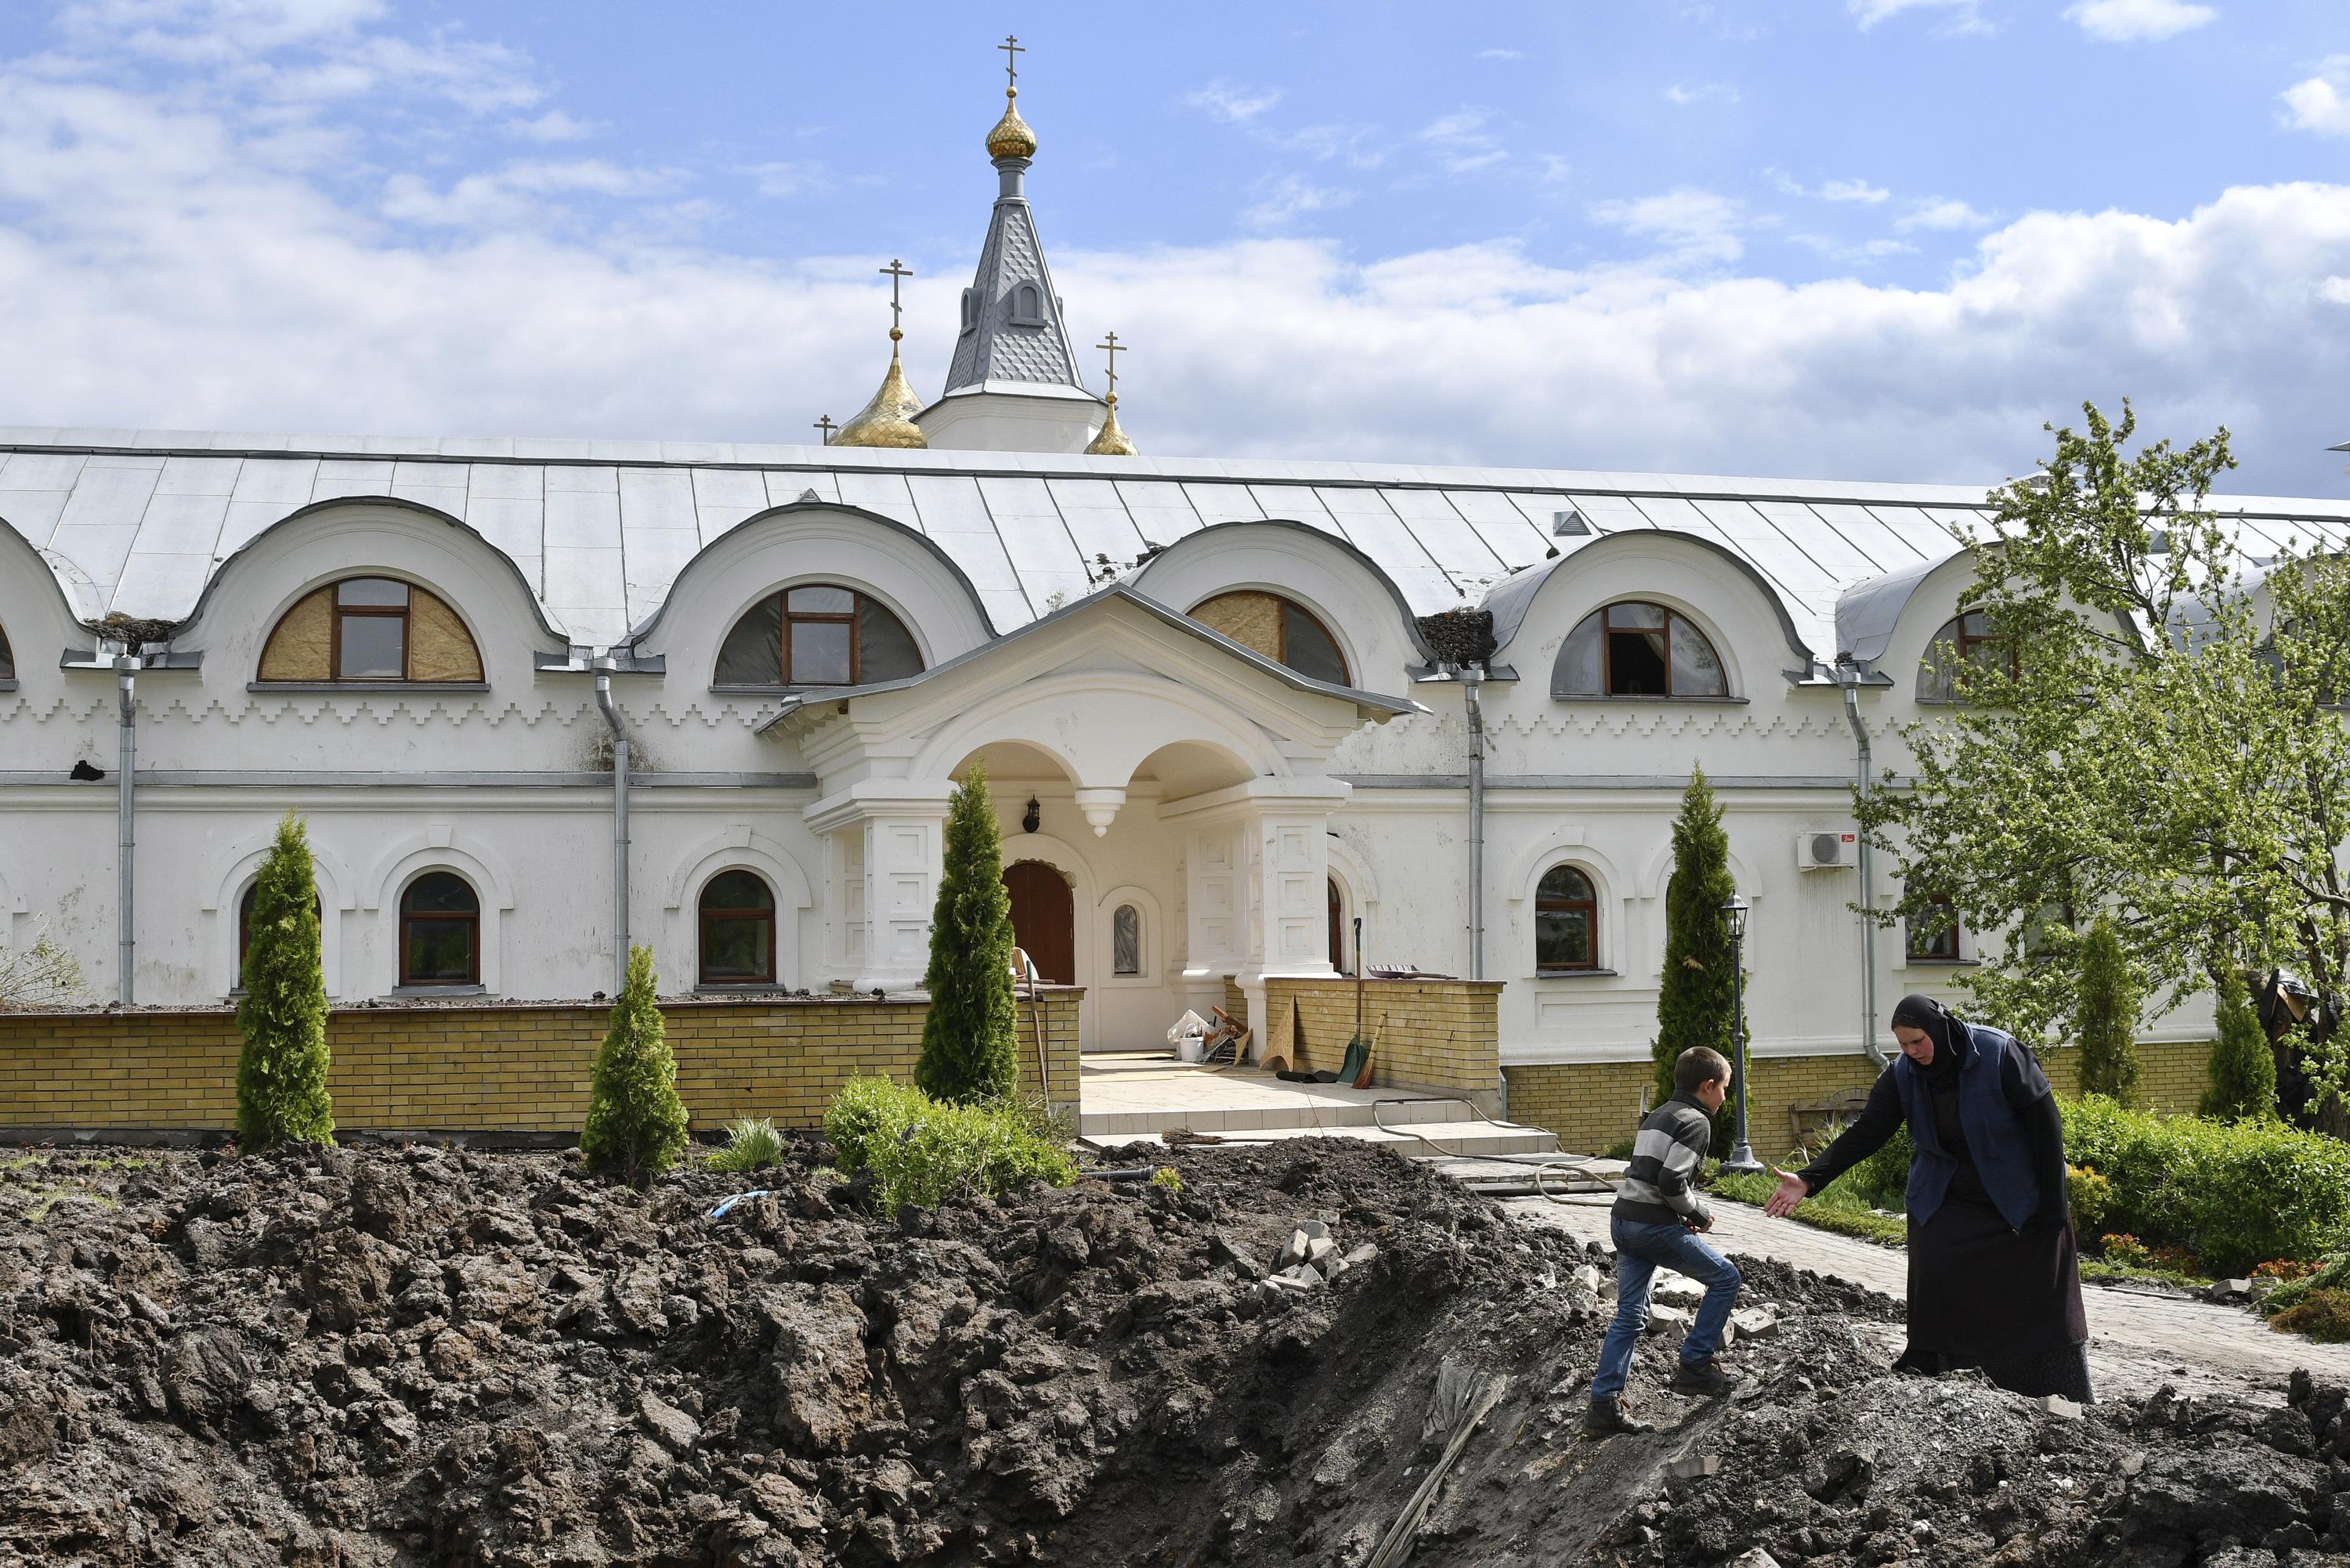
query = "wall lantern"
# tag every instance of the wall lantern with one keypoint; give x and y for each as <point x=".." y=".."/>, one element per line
<point x="1033" y="818"/>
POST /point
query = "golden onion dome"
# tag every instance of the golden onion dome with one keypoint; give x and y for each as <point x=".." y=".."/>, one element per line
<point x="1011" y="138"/>
<point x="888" y="418"/>
<point x="1112" y="441"/>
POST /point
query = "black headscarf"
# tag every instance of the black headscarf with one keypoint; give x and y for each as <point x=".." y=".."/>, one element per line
<point x="1923" y="1012"/>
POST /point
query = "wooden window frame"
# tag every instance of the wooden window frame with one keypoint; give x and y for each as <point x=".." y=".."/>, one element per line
<point x="336" y="610"/>
<point x="1674" y="622"/>
<point x="786" y="618"/>
<point x="472" y="934"/>
<point x="704" y="914"/>
<point x="1552" y="904"/>
<point x="1281" y="626"/>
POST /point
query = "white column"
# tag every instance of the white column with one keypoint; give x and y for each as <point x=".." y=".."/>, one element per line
<point x="886" y="843"/>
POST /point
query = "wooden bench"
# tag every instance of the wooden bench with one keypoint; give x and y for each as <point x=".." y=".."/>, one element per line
<point x="1828" y="1114"/>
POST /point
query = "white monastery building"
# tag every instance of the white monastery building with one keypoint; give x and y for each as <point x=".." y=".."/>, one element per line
<point x="1224" y="705"/>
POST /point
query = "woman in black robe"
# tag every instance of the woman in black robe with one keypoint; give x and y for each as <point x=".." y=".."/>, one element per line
<point x="1994" y="1278"/>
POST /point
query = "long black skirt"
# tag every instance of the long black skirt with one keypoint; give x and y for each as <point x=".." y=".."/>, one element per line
<point x="2007" y="1302"/>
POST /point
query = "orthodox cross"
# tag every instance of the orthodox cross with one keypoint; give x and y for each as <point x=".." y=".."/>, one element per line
<point x="1115" y="348"/>
<point x="827" y="427"/>
<point x="893" y="272"/>
<point x="1013" y="49"/>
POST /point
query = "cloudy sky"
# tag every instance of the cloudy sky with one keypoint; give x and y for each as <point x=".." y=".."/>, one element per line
<point x="1841" y="238"/>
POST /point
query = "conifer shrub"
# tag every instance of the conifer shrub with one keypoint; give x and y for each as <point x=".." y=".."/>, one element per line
<point x="2107" y="1021"/>
<point x="926" y="1151"/>
<point x="281" y="1068"/>
<point x="970" y="1047"/>
<point x="2243" y="1066"/>
<point x="1693" y="1005"/>
<point x="636" y="1123"/>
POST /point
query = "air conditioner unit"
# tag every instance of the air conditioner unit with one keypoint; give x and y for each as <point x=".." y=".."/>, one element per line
<point x="1830" y="851"/>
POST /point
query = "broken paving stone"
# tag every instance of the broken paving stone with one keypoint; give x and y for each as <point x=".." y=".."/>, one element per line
<point x="1304" y="1276"/>
<point x="1361" y="1254"/>
<point x="1754" y="1323"/>
<point x="1315" y="1230"/>
<point x="1694" y="1466"/>
<point x="1318" y="1248"/>
<point x="2056" y="1405"/>
<point x="1676" y="1290"/>
<point x="1665" y="1319"/>
<point x="1293" y="1252"/>
<point x="1755" y="1558"/>
<point x="1587" y="1277"/>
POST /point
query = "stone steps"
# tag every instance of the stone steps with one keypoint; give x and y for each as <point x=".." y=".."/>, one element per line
<point x="1467" y="1136"/>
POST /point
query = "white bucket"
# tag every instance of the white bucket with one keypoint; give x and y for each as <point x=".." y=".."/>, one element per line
<point x="1190" y="1048"/>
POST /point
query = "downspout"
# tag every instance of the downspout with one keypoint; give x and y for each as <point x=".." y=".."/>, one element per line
<point x="604" y="705"/>
<point x="1473" y="678"/>
<point x="1848" y="677"/>
<point x="126" y="667"/>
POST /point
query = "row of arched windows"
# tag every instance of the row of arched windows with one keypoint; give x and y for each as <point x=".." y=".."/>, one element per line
<point x="1566" y="925"/>
<point x="440" y="930"/>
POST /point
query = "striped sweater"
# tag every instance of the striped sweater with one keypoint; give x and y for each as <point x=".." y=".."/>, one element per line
<point x="1673" y="1143"/>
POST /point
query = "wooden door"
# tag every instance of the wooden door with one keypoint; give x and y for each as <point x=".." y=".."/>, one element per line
<point x="1044" y="920"/>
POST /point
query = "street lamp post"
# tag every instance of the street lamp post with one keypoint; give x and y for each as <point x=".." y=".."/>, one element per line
<point x="1733" y="920"/>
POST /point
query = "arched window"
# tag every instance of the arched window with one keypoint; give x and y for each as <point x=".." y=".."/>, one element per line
<point x="370" y="629"/>
<point x="1027" y="306"/>
<point x="1337" y="926"/>
<point x="244" y="925"/>
<point x="7" y="660"/>
<point x="1964" y="640"/>
<point x="1126" y="940"/>
<point x="970" y="308"/>
<point x="1566" y="923"/>
<point x="1638" y="650"/>
<point x="1282" y="630"/>
<point x="818" y="634"/>
<point x="738" y="929"/>
<point x="440" y="931"/>
<point x="1933" y="931"/>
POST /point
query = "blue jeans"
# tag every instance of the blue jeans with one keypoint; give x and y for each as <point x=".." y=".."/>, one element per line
<point x="1640" y="1249"/>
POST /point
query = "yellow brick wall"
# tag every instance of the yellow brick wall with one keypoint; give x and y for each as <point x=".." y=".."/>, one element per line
<point x="1592" y="1105"/>
<point x="1426" y="1034"/>
<point x="488" y="1068"/>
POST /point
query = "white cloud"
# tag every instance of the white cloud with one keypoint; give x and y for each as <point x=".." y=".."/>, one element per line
<point x="1234" y="105"/>
<point x="2322" y="103"/>
<point x="551" y="127"/>
<point x="1500" y="54"/>
<point x="1960" y="15"/>
<point x="1853" y="191"/>
<point x="507" y="197"/>
<point x="786" y="178"/>
<point x="1282" y="197"/>
<point x="2335" y="291"/>
<point x="1693" y="225"/>
<point x="2127" y="21"/>
<point x="1461" y="141"/>
<point x="1683" y="94"/>
<point x="1942" y="212"/>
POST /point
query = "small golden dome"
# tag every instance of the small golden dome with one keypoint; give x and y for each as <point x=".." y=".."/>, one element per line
<point x="1011" y="138"/>
<point x="1112" y="441"/>
<point x="888" y="418"/>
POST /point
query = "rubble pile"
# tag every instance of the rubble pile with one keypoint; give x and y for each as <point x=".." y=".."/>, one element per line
<point x="411" y="1357"/>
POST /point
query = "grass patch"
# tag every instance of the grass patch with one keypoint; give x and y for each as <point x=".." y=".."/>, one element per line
<point x="1845" y="1212"/>
<point x="749" y="1145"/>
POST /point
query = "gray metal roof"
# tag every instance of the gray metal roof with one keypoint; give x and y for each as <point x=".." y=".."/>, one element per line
<point x="1001" y="347"/>
<point x="138" y="521"/>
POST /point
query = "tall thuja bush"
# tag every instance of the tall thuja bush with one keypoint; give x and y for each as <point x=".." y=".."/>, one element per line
<point x="2243" y="1066"/>
<point x="970" y="1048"/>
<point x="2106" y="1024"/>
<point x="1693" y="1007"/>
<point x="636" y="1123"/>
<point x="281" y="1069"/>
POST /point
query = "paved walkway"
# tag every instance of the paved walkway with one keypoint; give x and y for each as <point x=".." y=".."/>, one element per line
<point x="2137" y="1340"/>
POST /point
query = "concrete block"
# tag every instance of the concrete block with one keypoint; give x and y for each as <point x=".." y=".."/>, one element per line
<point x="1668" y="1320"/>
<point x="2058" y="1406"/>
<point x="1694" y="1466"/>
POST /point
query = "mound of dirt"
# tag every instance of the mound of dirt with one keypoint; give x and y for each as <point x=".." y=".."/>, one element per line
<point x="423" y="1357"/>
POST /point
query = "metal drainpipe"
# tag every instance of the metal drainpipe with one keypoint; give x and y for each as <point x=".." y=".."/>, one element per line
<point x="1848" y="677"/>
<point x="126" y="787"/>
<point x="604" y="705"/>
<point x="1473" y="676"/>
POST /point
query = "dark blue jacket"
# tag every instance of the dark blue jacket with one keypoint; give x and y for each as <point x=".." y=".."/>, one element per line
<point x="1995" y="1137"/>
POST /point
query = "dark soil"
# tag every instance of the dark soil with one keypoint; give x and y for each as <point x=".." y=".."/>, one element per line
<point x="420" y="1357"/>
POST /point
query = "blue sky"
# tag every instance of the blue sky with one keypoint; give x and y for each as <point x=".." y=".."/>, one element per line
<point x="1842" y="238"/>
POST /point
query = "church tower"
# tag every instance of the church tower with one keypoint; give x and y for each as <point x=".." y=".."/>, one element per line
<point x="1013" y="383"/>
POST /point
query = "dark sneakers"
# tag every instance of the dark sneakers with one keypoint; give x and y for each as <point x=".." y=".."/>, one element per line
<point x="1703" y="1378"/>
<point x="1605" y="1418"/>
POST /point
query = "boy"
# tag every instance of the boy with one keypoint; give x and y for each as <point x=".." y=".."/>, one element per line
<point x="1655" y="1223"/>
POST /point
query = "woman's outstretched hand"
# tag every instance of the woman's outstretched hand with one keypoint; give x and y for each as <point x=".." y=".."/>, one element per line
<point x="1790" y="1192"/>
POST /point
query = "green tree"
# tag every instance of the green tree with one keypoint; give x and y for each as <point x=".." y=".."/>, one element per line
<point x="2156" y="741"/>
<point x="636" y="1123"/>
<point x="281" y="1069"/>
<point x="1693" y="1006"/>
<point x="2106" y="1024"/>
<point x="970" y="1047"/>
<point x="2243" y="1066"/>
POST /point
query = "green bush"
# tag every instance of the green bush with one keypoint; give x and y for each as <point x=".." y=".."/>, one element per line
<point x="2237" y="1194"/>
<point x="749" y="1145"/>
<point x="1883" y="1178"/>
<point x="2243" y="1067"/>
<point x="969" y="1049"/>
<point x="636" y="1123"/>
<point x="2106" y="1022"/>
<point x="2321" y="1315"/>
<point x="281" y="1069"/>
<point x="2333" y="1275"/>
<point x="2091" y="1197"/>
<point x="924" y="1151"/>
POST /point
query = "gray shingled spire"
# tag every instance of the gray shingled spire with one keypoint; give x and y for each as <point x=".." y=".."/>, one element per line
<point x="1014" y="338"/>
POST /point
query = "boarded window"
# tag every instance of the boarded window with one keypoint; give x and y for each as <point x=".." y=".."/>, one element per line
<point x="818" y="634"/>
<point x="1280" y="628"/>
<point x="370" y="629"/>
